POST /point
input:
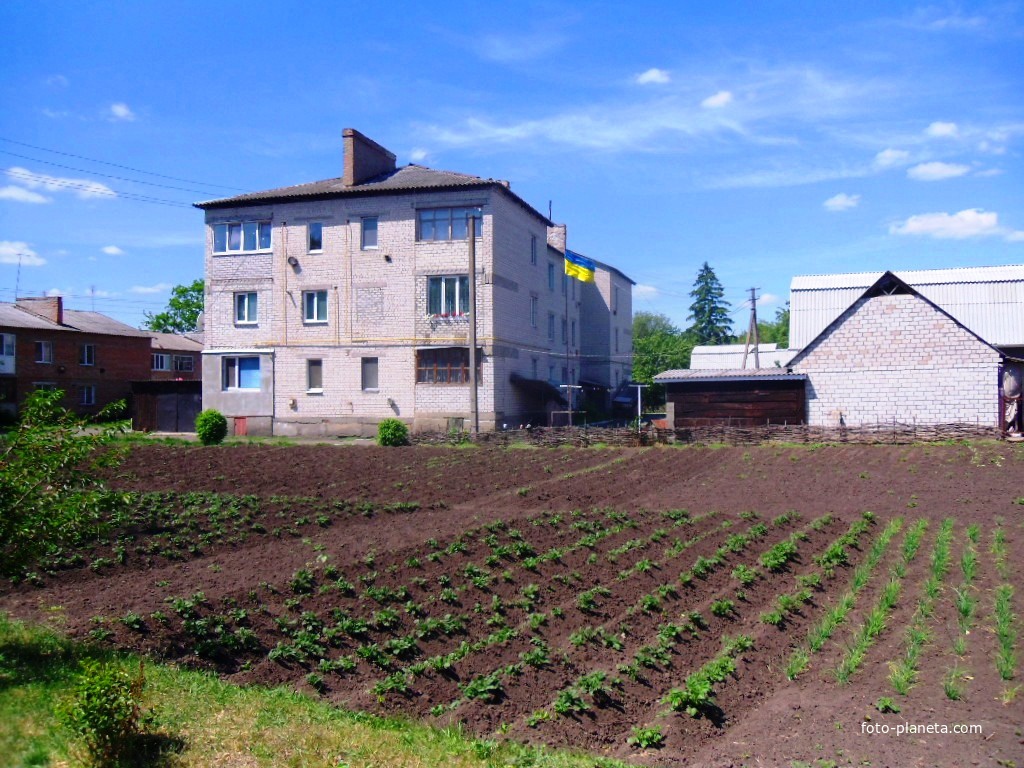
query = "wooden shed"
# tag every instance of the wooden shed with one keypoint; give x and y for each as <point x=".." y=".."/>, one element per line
<point x="739" y="397"/>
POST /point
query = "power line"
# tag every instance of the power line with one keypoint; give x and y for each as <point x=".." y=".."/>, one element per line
<point x="117" y="165"/>
<point x="104" y="175"/>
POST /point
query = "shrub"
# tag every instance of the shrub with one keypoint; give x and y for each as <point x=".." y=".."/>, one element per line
<point x="392" y="432"/>
<point x="646" y="738"/>
<point x="211" y="427"/>
<point x="105" y="712"/>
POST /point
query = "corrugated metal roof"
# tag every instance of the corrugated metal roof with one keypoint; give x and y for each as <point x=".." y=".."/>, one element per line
<point x="718" y="356"/>
<point x="987" y="300"/>
<point x="74" y="320"/>
<point x="174" y="342"/>
<point x="728" y="374"/>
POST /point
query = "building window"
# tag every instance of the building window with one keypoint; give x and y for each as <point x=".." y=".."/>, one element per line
<point x="369" y="374"/>
<point x="314" y="375"/>
<point x="44" y="386"/>
<point x="551" y="374"/>
<point x="551" y="277"/>
<point x="615" y="299"/>
<point x="533" y="311"/>
<point x="241" y="372"/>
<point x="44" y="351"/>
<point x="565" y="375"/>
<point x="368" y="236"/>
<point x="447" y="223"/>
<point x="616" y="341"/>
<point x="572" y="337"/>
<point x="448" y="296"/>
<point x="184" y="363"/>
<point x="551" y="326"/>
<point x="241" y="236"/>
<point x="7" y="344"/>
<point x="533" y="368"/>
<point x="444" y="366"/>
<point x="564" y="331"/>
<point x="246" y="308"/>
<point x="316" y="236"/>
<point x="533" y="251"/>
<point x="564" y="282"/>
<point x="87" y="394"/>
<point x="314" y="306"/>
<point x="87" y="354"/>
<point x="161" y="362"/>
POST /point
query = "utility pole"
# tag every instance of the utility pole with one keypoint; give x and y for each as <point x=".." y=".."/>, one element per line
<point x="639" y="400"/>
<point x="570" y="388"/>
<point x="474" y="406"/>
<point x="752" y="332"/>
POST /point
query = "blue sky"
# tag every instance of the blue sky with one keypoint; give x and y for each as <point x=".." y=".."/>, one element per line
<point x="769" y="139"/>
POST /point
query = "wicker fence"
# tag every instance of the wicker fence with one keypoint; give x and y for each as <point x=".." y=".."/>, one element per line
<point x="891" y="433"/>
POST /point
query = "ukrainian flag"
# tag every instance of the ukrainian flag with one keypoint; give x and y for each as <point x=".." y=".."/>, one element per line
<point x="579" y="267"/>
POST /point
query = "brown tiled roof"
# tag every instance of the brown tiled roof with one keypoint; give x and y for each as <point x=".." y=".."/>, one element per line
<point x="175" y="342"/>
<point x="74" y="320"/>
<point x="727" y="374"/>
<point x="409" y="178"/>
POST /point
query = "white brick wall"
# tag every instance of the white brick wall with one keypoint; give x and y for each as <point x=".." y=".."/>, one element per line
<point x="897" y="357"/>
<point x="377" y="307"/>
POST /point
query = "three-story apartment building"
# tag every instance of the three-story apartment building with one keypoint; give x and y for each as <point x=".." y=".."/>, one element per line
<point x="335" y="304"/>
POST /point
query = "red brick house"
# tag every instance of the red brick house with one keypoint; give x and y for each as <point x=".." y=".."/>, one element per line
<point x="91" y="357"/>
<point x="176" y="357"/>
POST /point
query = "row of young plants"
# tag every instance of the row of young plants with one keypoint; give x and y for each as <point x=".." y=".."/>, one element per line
<point x="863" y="637"/>
<point x="966" y="603"/>
<point x="1003" y="618"/>
<point x="904" y="671"/>
<point x="820" y="632"/>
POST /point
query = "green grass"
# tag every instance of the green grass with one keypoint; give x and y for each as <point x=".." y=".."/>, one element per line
<point x="208" y="722"/>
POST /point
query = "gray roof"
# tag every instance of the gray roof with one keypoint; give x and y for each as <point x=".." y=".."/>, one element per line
<point x="175" y="342"/>
<point x="728" y="374"/>
<point x="987" y="300"/>
<point x="74" y="320"/>
<point x="409" y="178"/>
<point x="719" y="356"/>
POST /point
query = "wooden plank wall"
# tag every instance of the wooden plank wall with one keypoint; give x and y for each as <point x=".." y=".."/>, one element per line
<point x="737" y="403"/>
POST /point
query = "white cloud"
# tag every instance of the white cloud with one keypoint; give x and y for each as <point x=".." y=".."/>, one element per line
<point x="517" y="47"/>
<point x="57" y="81"/>
<point x="158" y="288"/>
<point x="841" y="202"/>
<point x="16" y="251"/>
<point x="767" y="299"/>
<point x="889" y="158"/>
<point x="55" y="292"/>
<point x="83" y="188"/>
<point x="641" y="291"/>
<point x="964" y="225"/>
<point x="112" y="250"/>
<point x="989" y="148"/>
<point x="119" y="111"/>
<point x="941" y="130"/>
<point x="418" y="155"/>
<point x="936" y="171"/>
<point x="22" y="195"/>
<point x="653" y="76"/>
<point x="717" y="101"/>
<point x="1017" y="236"/>
<point x="989" y="172"/>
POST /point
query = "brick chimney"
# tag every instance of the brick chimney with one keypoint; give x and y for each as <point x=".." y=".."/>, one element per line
<point x="364" y="158"/>
<point x="556" y="237"/>
<point x="50" y="307"/>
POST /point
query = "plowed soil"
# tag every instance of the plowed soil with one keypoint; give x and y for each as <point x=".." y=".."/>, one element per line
<point x="558" y="595"/>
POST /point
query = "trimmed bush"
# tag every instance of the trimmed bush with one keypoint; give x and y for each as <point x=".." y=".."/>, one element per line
<point x="392" y="432"/>
<point x="211" y="427"/>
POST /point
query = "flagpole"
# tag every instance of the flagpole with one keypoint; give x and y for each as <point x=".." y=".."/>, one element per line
<point x="565" y="330"/>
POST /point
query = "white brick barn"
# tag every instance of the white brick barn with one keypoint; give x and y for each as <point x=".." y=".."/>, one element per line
<point x="334" y="304"/>
<point x="896" y="356"/>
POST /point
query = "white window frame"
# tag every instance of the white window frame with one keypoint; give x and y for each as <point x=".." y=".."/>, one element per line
<point x="312" y="306"/>
<point x="230" y="376"/>
<point x="44" y="352"/>
<point x="363" y="363"/>
<point x="160" y="361"/>
<point x="262" y="229"/>
<point x="445" y="220"/>
<point x="444" y="281"/>
<point x="87" y="354"/>
<point x="87" y="394"/>
<point x="311" y="364"/>
<point x="319" y="227"/>
<point x="247" y="308"/>
<point x="363" y="245"/>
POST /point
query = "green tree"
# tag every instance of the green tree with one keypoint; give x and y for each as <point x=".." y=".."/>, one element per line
<point x="182" y="313"/>
<point x="658" y="346"/>
<point x="50" y="493"/>
<point x="709" y="311"/>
